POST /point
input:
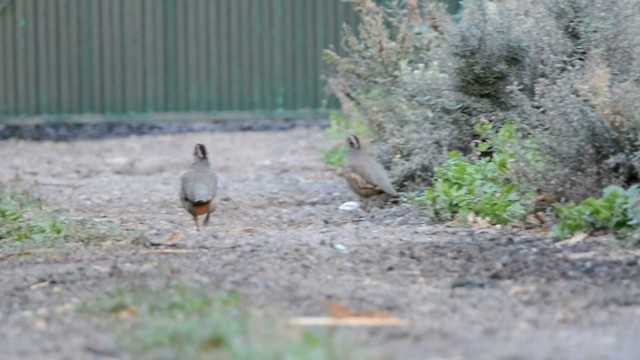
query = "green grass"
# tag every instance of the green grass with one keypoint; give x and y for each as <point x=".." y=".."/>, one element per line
<point x="26" y="224"/>
<point x="183" y="322"/>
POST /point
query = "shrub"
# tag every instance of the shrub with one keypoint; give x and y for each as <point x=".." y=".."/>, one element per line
<point x="386" y="80"/>
<point x="565" y="72"/>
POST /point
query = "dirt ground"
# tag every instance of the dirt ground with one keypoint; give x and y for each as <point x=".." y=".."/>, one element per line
<point x="279" y="239"/>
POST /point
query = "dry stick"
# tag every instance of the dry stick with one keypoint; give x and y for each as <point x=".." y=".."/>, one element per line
<point x="348" y="321"/>
<point x="25" y="252"/>
<point x="168" y="251"/>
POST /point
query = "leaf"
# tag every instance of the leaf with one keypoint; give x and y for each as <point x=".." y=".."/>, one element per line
<point x="483" y="147"/>
<point x="612" y="190"/>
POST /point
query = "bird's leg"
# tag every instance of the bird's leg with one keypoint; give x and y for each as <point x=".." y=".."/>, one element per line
<point x="212" y="208"/>
<point x="365" y="204"/>
<point x="195" y="220"/>
<point x="382" y="200"/>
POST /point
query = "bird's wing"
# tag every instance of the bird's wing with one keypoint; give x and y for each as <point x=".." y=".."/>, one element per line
<point x="372" y="172"/>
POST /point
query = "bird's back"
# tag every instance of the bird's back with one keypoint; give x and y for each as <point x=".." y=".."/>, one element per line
<point x="199" y="183"/>
<point x="370" y="170"/>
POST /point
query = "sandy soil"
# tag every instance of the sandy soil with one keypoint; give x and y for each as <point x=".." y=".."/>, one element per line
<point x="469" y="293"/>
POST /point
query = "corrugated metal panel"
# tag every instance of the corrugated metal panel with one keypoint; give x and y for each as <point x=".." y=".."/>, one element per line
<point x="122" y="56"/>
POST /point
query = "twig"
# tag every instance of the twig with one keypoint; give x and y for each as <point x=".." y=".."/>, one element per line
<point x="348" y="321"/>
<point x="168" y="251"/>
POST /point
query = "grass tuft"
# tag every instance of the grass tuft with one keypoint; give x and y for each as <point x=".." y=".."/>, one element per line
<point x="25" y="223"/>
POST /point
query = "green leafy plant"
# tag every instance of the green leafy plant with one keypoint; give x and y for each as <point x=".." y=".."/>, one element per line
<point x="186" y="322"/>
<point x="615" y="210"/>
<point x="482" y="187"/>
<point x="462" y="187"/>
<point x="336" y="155"/>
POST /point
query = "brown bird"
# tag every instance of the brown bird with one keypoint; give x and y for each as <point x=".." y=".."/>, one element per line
<point x="199" y="186"/>
<point x="365" y="175"/>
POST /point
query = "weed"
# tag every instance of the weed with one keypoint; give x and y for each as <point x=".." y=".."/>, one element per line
<point x="616" y="210"/>
<point x="24" y="223"/>
<point x="461" y="186"/>
<point x="336" y="155"/>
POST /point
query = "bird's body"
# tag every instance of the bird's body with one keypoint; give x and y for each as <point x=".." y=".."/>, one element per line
<point x="366" y="177"/>
<point x="199" y="186"/>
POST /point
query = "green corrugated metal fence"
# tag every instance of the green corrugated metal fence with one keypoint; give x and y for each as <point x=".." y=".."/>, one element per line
<point x="137" y="56"/>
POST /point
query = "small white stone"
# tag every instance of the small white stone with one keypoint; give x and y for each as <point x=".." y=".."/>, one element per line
<point x="349" y="205"/>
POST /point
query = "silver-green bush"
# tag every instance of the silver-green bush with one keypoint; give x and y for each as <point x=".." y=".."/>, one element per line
<point x="565" y="71"/>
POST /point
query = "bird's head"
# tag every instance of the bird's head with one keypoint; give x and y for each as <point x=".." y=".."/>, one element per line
<point x="354" y="142"/>
<point x="199" y="152"/>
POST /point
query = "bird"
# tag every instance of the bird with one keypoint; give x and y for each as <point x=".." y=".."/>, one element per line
<point x="199" y="186"/>
<point x="365" y="176"/>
